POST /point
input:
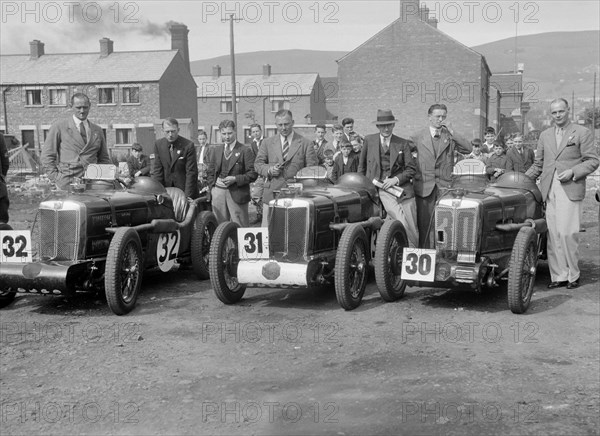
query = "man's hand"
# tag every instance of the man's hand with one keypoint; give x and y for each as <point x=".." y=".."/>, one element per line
<point x="275" y="170"/>
<point x="498" y="172"/>
<point x="228" y="181"/>
<point x="139" y="173"/>
<point x="566" y="175"/>
<point x="220" y="183"/>
<point x="389" y="182"/>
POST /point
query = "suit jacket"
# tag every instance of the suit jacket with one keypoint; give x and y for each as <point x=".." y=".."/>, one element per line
<point x="300" y="155"/>
<point x="182" y="172"/>
<point x="320" y="151"/>
<point x="435" y="170"/>
<point x="253" y="146"/>
<point x="517" y="162"/>
<point x="135" y="165"/>
<point x="402" y="162"/>
<point x="338" y="166"/>
<point x="576" y="152"/>
<point x="241" y="165"/>
<point x="3" y="159"/>
<point x="65" y="155"/>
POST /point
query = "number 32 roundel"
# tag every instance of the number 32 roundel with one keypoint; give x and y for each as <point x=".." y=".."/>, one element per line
<point x="167" y="249"/>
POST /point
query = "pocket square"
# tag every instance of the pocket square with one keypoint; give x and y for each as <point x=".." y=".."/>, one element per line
<point x="181" y="158"/>
<point x="571" y="144"/>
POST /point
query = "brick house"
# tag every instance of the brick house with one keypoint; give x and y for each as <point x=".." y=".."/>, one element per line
<point x="408" y="66"/>
<point x="512" y="108"/>
<point x="130" y="92"/>
<point x="258" y="98"/>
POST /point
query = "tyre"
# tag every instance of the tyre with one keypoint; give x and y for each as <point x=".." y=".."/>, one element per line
<point x="522" y="269"/>
<point x="388" y="260"/>
<point x="6" y="295"/>
<point x="202" y="234"/>
<point x="351" y="270"/>
<point x="124" y="270"/>
<point x="223" y="264"/>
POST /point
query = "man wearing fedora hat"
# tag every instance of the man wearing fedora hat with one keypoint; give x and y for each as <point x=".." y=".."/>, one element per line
<point x="434" y="147"/>
<point x="388" y="158"/>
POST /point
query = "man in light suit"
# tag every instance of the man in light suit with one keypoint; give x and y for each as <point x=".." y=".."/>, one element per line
<point x="565" y="156"/>
<point x="72" y="144"/>
<point x="175" y="160"/>
<point x="230" y="172"/>
<point x="281" y="157"/>
<point x="388" y="158"/>
<point x="435" y="148"/>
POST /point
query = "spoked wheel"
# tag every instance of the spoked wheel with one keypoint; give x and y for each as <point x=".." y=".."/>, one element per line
<point x="123" y="272"/>
<point x="388" y="260"/>
<point x="202" y="234"/>
<point x="223" y="264"/>
<point x="7" y="295"/>
<point x="522" y="270"/>
<point x="351" y="267"/>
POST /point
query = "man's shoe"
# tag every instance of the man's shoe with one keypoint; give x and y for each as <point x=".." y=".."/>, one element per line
<point x="553" y="285"/>
<point x="573" y="285"/>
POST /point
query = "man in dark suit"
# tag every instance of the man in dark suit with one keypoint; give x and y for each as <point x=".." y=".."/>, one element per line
<point x="388" y="158"/>
<point x="435" y="148"/>
<point x="345" y="162"/>
<point x="565" y="157"/>
<point x="256" y="188"/>
<point x="4" y="203"/>
<point x="282" y="156"/>
<point x="519" y="158"/>
<point x="175" y="160"/>
<point x="320" y="144"/>
<point x="72" y="144"/>
<point x="230" y="172"/>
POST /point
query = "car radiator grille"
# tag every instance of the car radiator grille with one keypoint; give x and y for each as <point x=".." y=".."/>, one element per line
<point x="59" y="234"/>
<point x="288" y="233"/>
<point x="456" y="229"/>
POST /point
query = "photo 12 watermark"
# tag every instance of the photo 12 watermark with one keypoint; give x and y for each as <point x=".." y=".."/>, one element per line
<point x="228" y="412"/>
<point x="270" y="332"/>
<point x="12" y="332"/>
<point x="269" y="12"/>
<point x="469" y="332"/>
<point x="70" y="12"/>
<point x="452" y="12"/>
<point x="440" y="412"/>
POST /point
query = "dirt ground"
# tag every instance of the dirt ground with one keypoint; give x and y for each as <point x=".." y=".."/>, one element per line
<point x="293" y="362"/>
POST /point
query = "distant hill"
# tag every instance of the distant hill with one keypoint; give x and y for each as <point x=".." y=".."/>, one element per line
<point x="556" y="63"/>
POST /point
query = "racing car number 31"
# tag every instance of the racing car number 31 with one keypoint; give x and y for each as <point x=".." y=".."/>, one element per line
<point x="418" y="264"/>
<point x="16" y="246"/>
<point x="253" y="243"/>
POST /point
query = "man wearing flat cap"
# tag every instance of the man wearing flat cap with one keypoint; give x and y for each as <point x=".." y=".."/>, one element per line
<point x="388" y="159"/>
<point x="137" y="163"/>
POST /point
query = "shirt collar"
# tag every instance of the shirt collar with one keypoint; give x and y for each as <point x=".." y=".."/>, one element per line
<point x="283" y="138"/>
<point x="78" y="122"/>
<point x="432" y="131"/>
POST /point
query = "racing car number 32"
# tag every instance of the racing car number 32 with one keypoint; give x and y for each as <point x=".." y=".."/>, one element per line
<point x="167" y="250"/>
<point x="418" y="264"/>
<point x="16" y="246"/>
<point x="253" y="243"/>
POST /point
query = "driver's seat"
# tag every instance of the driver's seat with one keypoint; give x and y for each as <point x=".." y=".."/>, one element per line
<point x="180" y="203"/>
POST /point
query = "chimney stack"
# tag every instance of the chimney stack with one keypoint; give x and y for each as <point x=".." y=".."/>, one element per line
<point x="179" y="41"/>
<point x="520" y="68"/>
<point x="266" y="70"/>
<point x="36" y="49"/>
<point x="433" y="22"/>
<point x="216" y="71"/>
<point x="106" y="47"/>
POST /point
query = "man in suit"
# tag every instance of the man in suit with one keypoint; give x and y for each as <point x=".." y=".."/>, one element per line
<point x="435" y="148"/>
<point x="519" y="158"/>
<point x="175" y="160"/>
<point x="345" y="162"/>
<point x="4" y="203"/>
<point x="230" y="172"/>
<point x="256" y="188"/>
<point x="388" y="158"/>
<point x="72" y="144"/>
<point x="320" y="144"/>
<point x="565" y="157"/>
<point x="202" y="159"/>
<point x="281" y="156"/>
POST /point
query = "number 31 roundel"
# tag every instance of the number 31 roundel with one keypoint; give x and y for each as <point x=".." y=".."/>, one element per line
<point x="167" y="249"/>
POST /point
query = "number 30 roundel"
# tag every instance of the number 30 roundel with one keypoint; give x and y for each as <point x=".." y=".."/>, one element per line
<point x="167" y="249"/>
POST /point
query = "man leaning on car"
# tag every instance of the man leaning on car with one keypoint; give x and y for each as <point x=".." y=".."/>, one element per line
<point x="72" y="144"/>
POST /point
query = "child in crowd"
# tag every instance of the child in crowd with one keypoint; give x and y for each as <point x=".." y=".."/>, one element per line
<point x="477" y="152"/>
<point x="328" y="164"/>
<point x="345" y="162"/>
<point x="496" y="163"/>
<point x="356" y="142"/>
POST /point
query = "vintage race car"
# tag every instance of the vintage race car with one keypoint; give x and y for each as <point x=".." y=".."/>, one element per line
<point x="483" y="232"/>
<point x="102" y="235"/>
<point x="318" y="233"/>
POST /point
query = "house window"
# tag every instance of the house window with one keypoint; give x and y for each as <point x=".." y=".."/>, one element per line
<point x="58" y="97"/>
<point x="131" y="95"/>
<point x="124" y="136"/>
<point x="46" y="131"/>
<point x="226" y="106"/>
<point x="277" y="105"/>
<point x="106" y="95"/>
<point x="34" y="97"/>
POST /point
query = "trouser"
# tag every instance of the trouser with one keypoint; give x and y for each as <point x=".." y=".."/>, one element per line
<point x="226" y="209"/>
<point x="405" y="212"/>
<point x="425" y="214"/>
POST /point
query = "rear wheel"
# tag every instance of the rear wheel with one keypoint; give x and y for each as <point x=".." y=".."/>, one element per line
<point x="202" y="234"/>
<point x="7" y="295"/>
<point x="123" y="273"/>
<point x="522" y="270"/>
<point x="223" y="264"/>
<point x="388" y="260"/>
<point x="351" y="267"/>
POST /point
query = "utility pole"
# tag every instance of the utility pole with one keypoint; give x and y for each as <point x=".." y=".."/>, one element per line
<point x="594" y="113"/>
<point x="232" y="55"/>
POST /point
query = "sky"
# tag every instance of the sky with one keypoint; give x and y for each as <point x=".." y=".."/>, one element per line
<point x="72" y="27"/>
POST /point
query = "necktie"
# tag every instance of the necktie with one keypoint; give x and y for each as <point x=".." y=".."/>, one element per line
<point x="285" y="149"/>
<point x="173" y="155"/>
<point x="559" y="136"/>
<point x="385" y="145"/>
<point x="82" y="131"/>
<point x="437" y="133"/>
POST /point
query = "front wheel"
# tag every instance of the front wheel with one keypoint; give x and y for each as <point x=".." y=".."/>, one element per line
<point x="202" y="234"/>
<point x="351" y="270"/>
<point x="123" y="272"/>
<point x="223" y="264"/>
<point x="388" y="260"/>
<point x="522" y="270"/>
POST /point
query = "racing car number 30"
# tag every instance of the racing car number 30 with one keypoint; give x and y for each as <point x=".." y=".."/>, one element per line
<point x="418" y="264"/>
<point x="16" y="246"/>
<point x="253" y="243"/>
